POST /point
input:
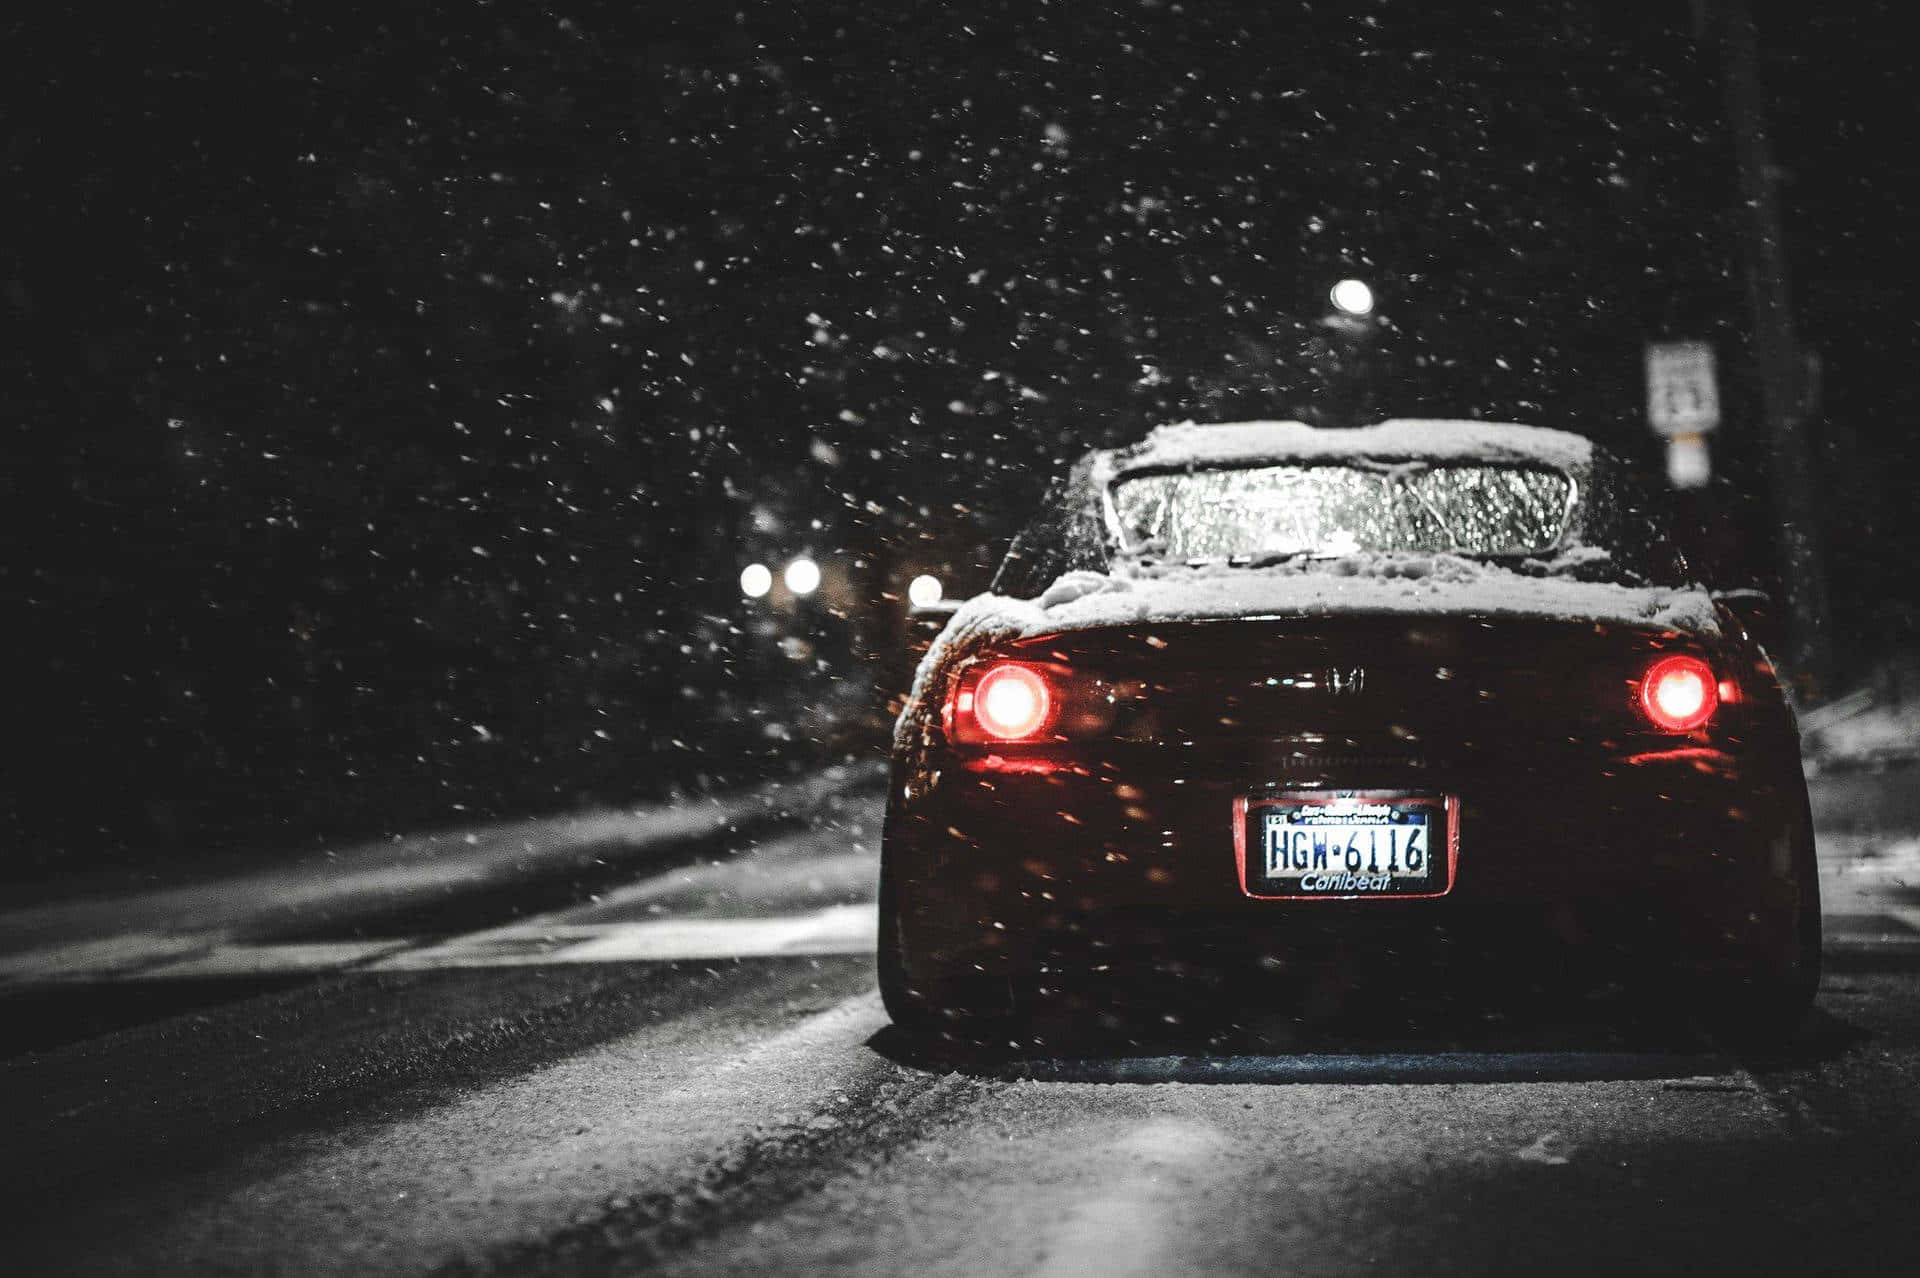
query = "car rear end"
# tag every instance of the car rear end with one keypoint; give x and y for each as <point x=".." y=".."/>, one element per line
<point x="1256" y="797"/>
<point x="1433" y="697"/>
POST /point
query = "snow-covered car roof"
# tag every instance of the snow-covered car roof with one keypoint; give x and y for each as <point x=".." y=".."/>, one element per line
<point x="1191" y="444"/>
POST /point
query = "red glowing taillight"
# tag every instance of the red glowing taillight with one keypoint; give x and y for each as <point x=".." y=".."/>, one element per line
<point x="1010" y="702"/>
<point x="1679" y="693"/>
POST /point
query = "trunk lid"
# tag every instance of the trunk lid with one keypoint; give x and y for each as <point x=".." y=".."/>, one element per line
<point x="1428" y="686"/>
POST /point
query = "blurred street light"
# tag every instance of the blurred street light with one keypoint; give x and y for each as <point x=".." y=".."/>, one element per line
<point x="803" y="576"/>
<point x="755" y="580"/>
<point x="924" y="590"/>
<point x="1351" y="297"/>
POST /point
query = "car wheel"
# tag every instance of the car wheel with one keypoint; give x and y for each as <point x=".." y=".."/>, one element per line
<point x="923" y="1000"/>
<point x="1766" y="1009"/>
<point x="967" y="1006"/>
<point x="909" y="1010"/>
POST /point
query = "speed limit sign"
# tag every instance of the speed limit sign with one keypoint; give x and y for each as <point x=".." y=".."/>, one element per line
<point x="1683" y="389"/>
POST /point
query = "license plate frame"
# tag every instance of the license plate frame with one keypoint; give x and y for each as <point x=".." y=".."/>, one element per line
<point x="1442" y="854"/>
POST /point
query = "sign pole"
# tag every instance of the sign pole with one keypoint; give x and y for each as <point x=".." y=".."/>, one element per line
<point x="1796" y="513"/>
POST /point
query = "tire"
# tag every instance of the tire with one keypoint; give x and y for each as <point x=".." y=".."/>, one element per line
<point x="1766" y="1010"/>
<point x="922" y="999"/>
<point x="967" y="1007"/>
<point x="913" y="1002"/>
<point x="908" y="1011"/>
<point x="907" y="1008"/>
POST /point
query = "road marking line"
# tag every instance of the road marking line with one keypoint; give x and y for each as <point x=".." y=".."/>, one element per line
<point x="115" y="956"/>
<point x="145" y="956"/>
<point x="842" y="929"/>
<point x="1908" y="915"/>
<point x="241" y="960"/>
<point x="1887" y="928"/>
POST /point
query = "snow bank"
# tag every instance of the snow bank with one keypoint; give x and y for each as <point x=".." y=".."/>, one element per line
<point x="1192" y="444"/>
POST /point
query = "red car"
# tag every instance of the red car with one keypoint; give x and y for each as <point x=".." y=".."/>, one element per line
<point x="1257" y="706"/>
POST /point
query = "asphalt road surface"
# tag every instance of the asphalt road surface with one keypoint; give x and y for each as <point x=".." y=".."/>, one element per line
<point x="690" y="1072"/>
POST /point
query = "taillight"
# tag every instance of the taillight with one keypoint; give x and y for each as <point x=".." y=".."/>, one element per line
<point x="1010" y="702"/>
<point x="1679" y="693"/>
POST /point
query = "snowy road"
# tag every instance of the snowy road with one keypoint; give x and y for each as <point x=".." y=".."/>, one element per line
<point x="691" y="1072"/>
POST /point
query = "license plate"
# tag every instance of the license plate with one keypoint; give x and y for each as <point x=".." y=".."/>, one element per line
<point x="1346" y="844"/>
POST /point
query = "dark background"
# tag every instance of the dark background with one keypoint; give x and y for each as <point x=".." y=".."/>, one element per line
<point x="396" y="391"/>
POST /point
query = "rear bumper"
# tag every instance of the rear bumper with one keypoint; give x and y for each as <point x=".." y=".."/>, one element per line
<point x="1684" y="856"/>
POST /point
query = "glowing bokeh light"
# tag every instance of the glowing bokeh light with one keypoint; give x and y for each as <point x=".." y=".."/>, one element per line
<point x="1352" y="296"/>
<point x="924" y="590"/>
<point x="803" y="576"/>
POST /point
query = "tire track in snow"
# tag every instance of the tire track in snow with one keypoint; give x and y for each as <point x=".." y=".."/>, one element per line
<point x="883" y="1108"/>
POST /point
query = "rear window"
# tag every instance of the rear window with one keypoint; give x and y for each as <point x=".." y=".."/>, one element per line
<point x="1341" y="509"/>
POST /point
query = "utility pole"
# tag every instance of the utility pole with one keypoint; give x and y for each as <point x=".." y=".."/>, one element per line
<point x="1790" y="460"/>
